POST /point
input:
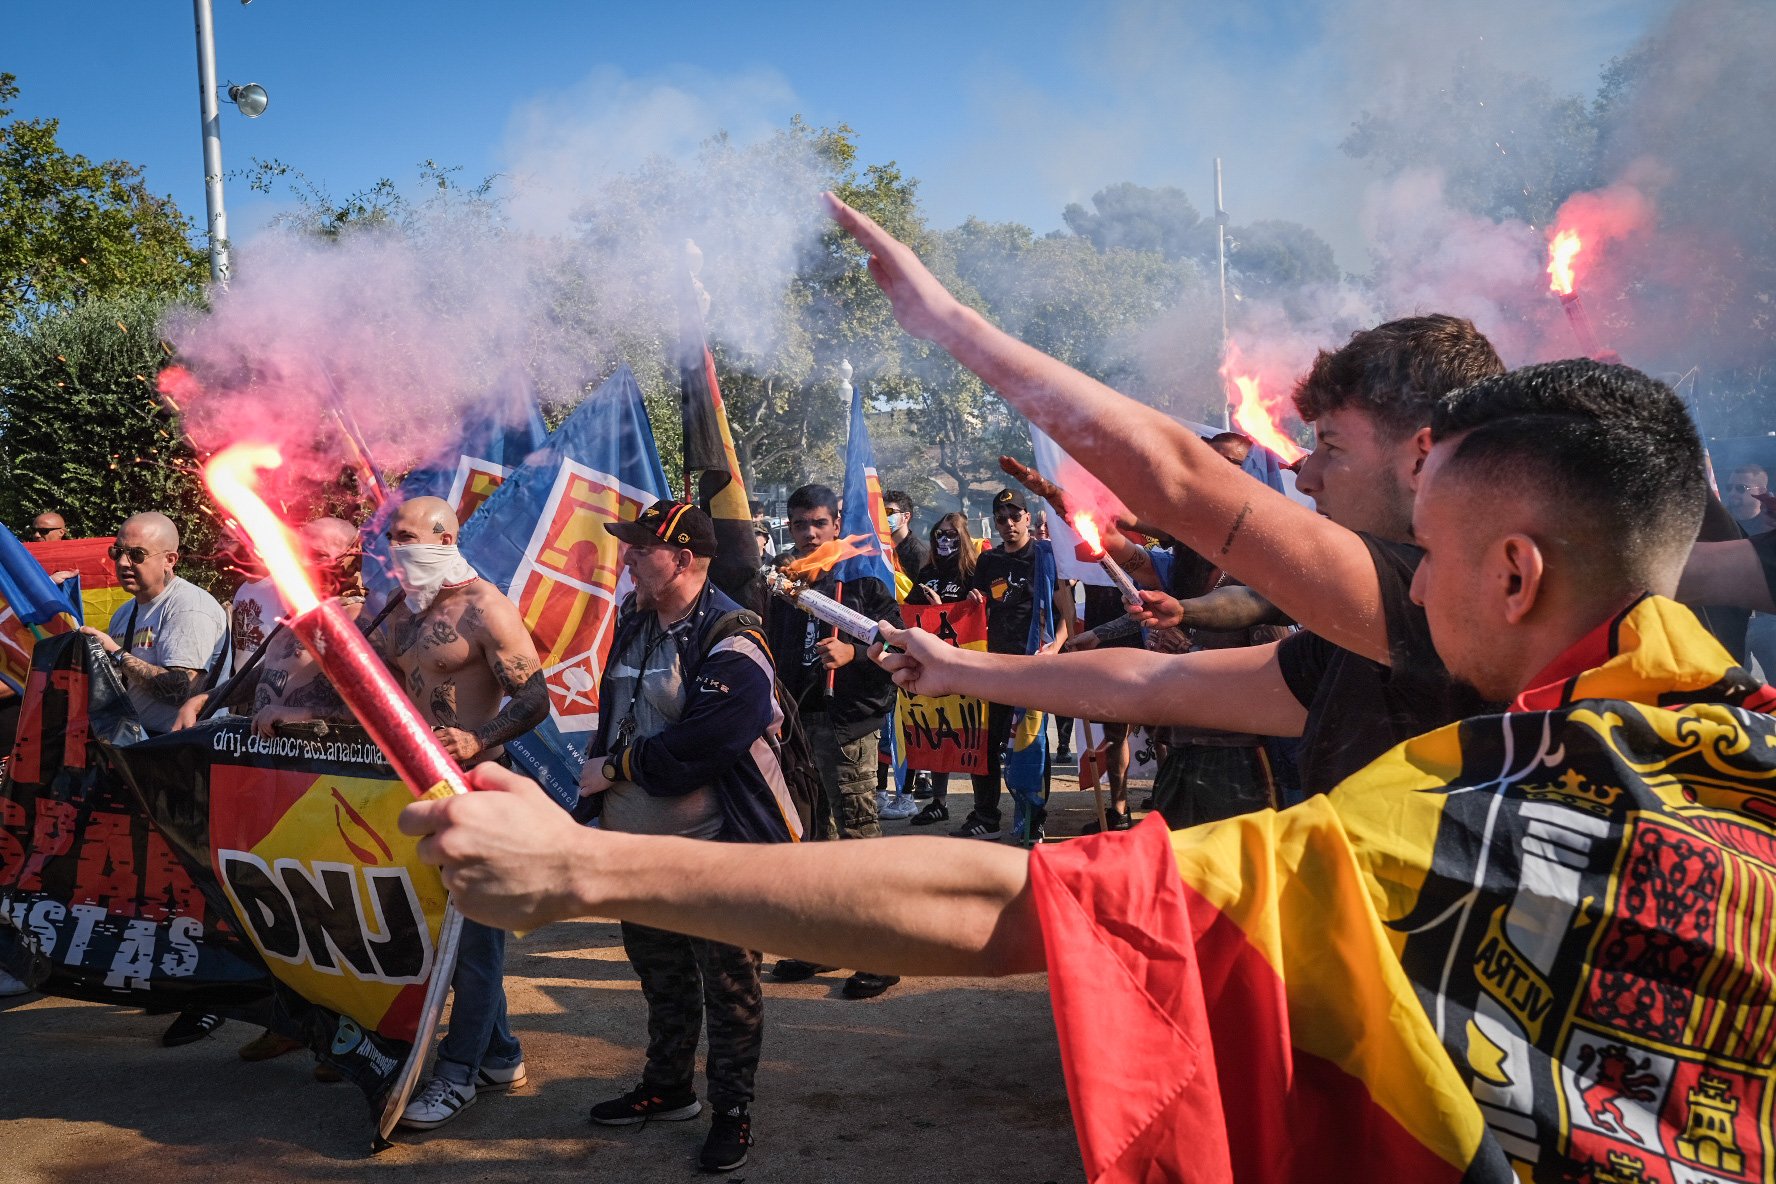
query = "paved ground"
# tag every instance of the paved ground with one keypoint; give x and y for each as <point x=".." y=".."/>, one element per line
<point x="938" y="1080"/>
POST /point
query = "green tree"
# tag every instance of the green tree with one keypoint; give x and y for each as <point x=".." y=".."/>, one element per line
<point x="85" y="431"/>
<point x="72" y="229"/>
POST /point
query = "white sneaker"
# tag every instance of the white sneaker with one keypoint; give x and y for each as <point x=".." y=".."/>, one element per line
<point x="438" y="1103"/>
<point x="899" y="806"/>
<point x="12" y="986"/>
<point x="493" y="1081"/>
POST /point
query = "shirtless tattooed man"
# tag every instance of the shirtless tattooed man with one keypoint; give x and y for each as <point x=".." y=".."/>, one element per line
<point x="460" y="647"/>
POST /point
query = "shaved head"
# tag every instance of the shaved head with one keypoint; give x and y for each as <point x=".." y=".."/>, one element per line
<point x="149" y="529"/>
<point x="328" y="538"/>
<point x="423" y="520"/>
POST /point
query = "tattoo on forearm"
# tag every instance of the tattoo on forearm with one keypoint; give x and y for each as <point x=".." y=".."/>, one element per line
<point x="169" y="686"/>
<point x="262" y="699"/>
<point x="1233" y="531"/>
<point x="1120" y="627"/>
<point x="1136" y="561"/>
<point x="526" y="709"/>
<point x="275" y="677"/>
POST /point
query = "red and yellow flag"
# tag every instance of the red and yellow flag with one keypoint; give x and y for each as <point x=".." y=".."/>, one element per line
<point x="1538" y="945"/>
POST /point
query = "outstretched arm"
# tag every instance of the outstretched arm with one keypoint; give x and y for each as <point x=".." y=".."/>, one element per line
<point x="1728" y="574"/>
<point x="1237" y="690"/>
<point x="512" y="859"/>
<point x="1314" y="570"/>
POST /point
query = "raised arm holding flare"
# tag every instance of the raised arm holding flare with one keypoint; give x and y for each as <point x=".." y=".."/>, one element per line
<point x="1314" y="570"/>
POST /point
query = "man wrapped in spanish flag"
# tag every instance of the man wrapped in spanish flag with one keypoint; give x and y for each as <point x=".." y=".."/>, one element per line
<point x="1533" y="945"/>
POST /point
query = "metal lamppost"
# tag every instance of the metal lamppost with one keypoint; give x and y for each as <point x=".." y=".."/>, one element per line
<point x="250" y="100"/>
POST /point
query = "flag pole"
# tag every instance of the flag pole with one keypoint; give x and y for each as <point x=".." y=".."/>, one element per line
<point x="1221" y="263"/>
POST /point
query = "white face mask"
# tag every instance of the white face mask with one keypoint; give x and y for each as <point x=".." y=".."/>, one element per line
<point x="425" y="569"/>
<point x="946" y="546"/>
<point x="896" y="521"/>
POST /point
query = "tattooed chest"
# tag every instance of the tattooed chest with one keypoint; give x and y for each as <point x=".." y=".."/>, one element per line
<point x="435" y="645"/>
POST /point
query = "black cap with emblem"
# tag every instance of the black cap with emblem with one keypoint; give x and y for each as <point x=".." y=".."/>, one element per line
<point x="671" y="524"/>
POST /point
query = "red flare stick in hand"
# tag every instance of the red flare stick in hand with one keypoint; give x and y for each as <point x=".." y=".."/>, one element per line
<point x="344" y="654"/>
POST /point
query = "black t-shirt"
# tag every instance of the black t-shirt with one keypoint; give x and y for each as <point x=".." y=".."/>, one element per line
<point x="1004" y="579"/>
<point x="945" y="582"/>
<point x="1358" y="709"/>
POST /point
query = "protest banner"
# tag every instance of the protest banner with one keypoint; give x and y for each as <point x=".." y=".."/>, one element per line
<point x="944" y="733"/>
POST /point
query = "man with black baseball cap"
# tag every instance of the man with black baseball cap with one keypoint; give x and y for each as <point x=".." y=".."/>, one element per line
<point x="686" y="696"/>
<point x="1028" y="611"/>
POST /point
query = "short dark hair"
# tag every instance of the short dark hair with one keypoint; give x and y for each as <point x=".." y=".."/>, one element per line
<point x="898" y="497"/>
<point x="1397" y="371"/>
<point x="1609" y="449"/>
<point x="814" y="497"/>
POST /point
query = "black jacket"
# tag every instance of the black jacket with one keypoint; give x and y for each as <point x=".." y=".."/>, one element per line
<point x="862" y="692"/>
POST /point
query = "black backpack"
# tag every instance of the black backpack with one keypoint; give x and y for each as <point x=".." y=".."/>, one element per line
<point x="794" y="755"/>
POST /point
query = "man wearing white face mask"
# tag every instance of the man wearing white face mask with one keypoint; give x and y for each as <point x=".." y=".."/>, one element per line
<point x="460" y="648"/>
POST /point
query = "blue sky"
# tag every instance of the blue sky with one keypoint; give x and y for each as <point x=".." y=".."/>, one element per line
<point x="1006" y="111"/>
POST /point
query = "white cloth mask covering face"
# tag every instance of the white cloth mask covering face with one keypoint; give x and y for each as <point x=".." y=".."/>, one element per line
<point x="425" y="569"/>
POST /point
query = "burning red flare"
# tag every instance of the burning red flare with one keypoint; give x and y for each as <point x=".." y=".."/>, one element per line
<point x="231" y="477"/>
<point x="825" y="557"/>
<point x="1562" y="250"/>
<point x="1090" y="537"/>
<point x="1252" y="414"/>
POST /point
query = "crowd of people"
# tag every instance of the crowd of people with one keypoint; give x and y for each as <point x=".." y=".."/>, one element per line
<point x="1474" y="531"/>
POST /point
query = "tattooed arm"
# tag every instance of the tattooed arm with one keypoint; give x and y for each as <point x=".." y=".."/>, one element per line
<point x="494" y="624"/>
<point x="165" y="684"/>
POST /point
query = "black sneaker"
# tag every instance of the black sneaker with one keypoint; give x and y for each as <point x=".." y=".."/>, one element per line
<point x="1116" y="821"/>
<point x="933" y="812"/>
<point x="1035" y="830"/>
<point x="864" y="985"/>
<point x="642" y="1103"/>
<point x="729" y="1137"/>
<point x="190" y="1026"/>
<point x="922" y="790"/>
<point x="974" y="828"/>
<point x="794" y="970"/>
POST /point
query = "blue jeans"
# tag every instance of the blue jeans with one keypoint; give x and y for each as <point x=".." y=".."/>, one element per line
<point x="479" y="1035"/>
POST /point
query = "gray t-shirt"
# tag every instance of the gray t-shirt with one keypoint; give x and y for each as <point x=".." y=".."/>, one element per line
<point x="183" y="626"/>
<point x="656" y="694"/>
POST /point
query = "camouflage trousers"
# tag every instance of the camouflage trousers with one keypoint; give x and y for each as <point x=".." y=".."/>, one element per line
<point x="848" y="771"/>
<point x="682" y="978"/>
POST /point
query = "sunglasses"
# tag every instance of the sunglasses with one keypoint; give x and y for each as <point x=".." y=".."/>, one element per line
<point x="948" y="534"/>
<point x="136" y="554"/>
<point x="1742" y="488"/>
<point x="40" y="531"/>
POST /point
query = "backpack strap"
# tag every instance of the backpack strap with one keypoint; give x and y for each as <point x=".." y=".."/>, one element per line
<point x="731" y="624"/>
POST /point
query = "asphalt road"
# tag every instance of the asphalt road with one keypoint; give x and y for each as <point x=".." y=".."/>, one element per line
<point x="938" y="1080"/>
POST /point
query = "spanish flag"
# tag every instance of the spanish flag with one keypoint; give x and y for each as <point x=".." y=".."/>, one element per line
<point x="1538" y="945"/>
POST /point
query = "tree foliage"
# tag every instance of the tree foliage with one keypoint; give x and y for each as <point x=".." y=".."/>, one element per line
<point x="85" y="432"/>
<point x="72" y="229"/>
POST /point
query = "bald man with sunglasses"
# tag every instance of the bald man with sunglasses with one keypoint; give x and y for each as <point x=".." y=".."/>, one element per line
<point x="169" y="634"/>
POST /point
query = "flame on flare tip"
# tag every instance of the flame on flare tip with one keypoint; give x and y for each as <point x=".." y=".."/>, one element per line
<point x="1087" y="528"/>
<point x="231" y="476"/>
<point x="825" y="557"/>
<point x="1562" y="250"/>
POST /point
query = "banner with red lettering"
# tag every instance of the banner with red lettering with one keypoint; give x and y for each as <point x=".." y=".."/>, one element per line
<point x="945" y="733"/>
<point x="213" y="868"/>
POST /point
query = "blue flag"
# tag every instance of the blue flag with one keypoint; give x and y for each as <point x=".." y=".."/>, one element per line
<point x="1265" y="465"/>
<point x="541" y="539"/>
<point x="494" y="442"/>
<point x="864" y="517"/>
<point x="31" y="607"/>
